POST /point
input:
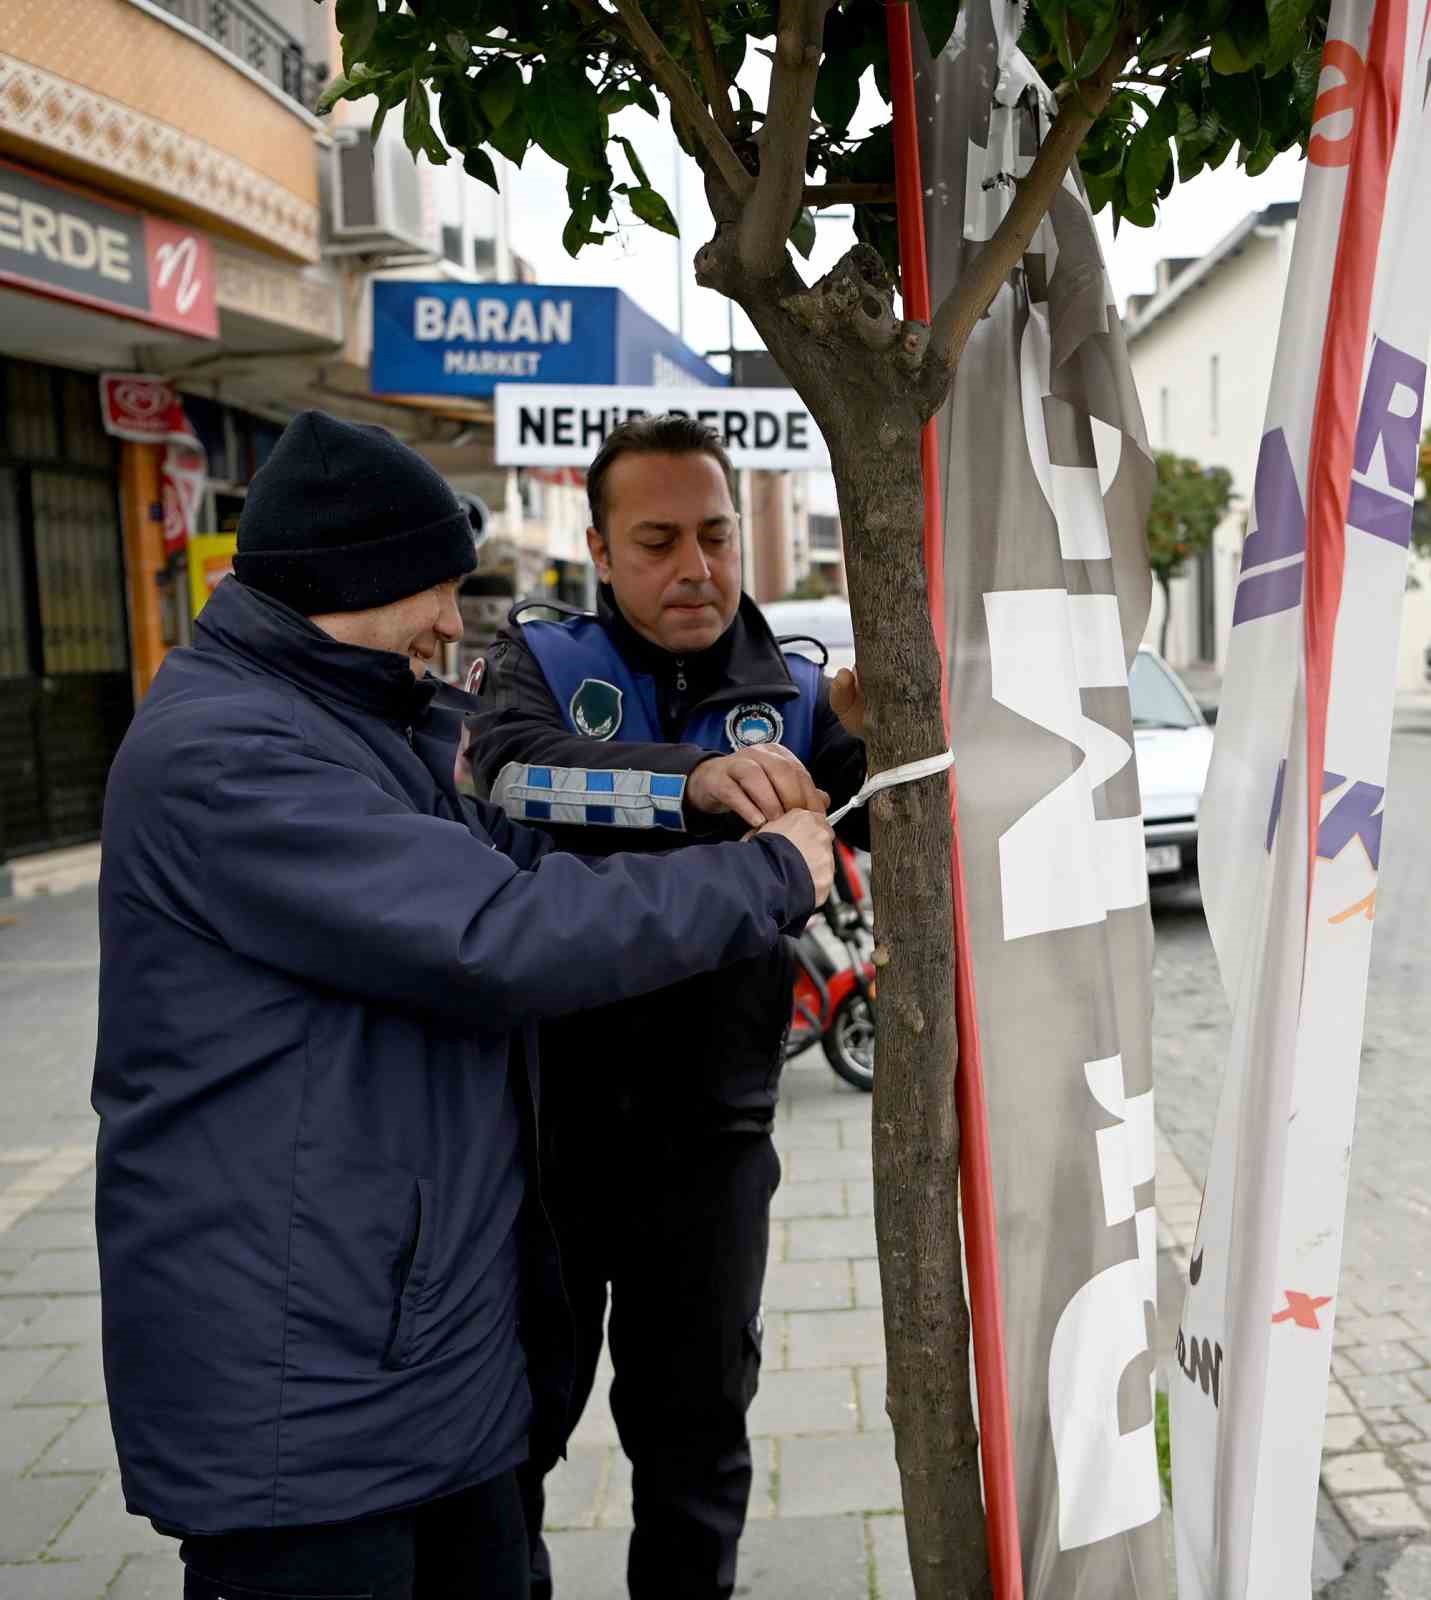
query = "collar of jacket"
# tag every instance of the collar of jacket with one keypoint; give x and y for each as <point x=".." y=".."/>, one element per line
<point x="274" y="637"/>
<point x="744" y="662"/>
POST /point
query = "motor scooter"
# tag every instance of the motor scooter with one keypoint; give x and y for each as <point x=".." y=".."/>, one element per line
<point x="834" y="1002"/>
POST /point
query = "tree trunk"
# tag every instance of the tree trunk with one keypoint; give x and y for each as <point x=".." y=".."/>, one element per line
<point x="863" y="375"/>
<point x="916" y="1129"/>
<point x="1167" y="589"/>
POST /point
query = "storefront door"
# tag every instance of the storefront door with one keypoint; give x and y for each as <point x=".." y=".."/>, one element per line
<point x="65" y="691"/>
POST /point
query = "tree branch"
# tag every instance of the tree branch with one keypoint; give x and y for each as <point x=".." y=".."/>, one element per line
<point x="848" y="194"/>
<point x="717" y="85"/>
<point x="785" y="137"/>
<point x="973" y="293"/>
<point x="686" y="103"/>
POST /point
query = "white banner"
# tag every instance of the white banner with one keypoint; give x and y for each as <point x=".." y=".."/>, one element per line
<point x="1303" y="739"/>
<point x="563" y="425"/>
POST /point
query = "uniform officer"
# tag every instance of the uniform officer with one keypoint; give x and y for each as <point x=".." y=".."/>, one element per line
<point x="669" y="716"/>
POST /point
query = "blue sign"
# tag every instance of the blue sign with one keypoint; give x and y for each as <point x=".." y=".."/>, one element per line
<point x="466" y="338"/>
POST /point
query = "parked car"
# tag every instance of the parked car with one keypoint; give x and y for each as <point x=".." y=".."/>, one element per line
<point x="825" y="620"/>
<point x="1173" y="743"/>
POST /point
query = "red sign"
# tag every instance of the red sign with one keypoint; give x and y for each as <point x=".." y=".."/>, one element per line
<point x="149" y="411"/>
<point x="69" y="244"/>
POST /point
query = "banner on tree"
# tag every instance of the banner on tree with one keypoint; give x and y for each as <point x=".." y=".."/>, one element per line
<point x="1047" y="478"/>
<point x="1291" y="818"/>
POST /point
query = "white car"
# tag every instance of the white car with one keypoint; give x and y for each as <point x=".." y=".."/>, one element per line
<point x="825" y="620"/>
<point x="1174" y="745"/>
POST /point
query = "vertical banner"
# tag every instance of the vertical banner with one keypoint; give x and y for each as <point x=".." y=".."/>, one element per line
<point x="1046" y="479"/>
<point x="1291" y="818"/>
<point x="149" y="411"/>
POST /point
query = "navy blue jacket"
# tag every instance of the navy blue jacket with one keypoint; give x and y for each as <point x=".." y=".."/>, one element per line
<point x="316" y="1185"/>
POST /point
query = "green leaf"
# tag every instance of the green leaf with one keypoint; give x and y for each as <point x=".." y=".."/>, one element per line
<point x="633" y="160"/>
<point x="1053" y="14"/>
<point x="1095" y="52"/>
<point x="566" y="120"/>
<point x="574" y="234"/>
<point x="357" y="23"/>
<point x="1178" y="34"/>
<point x="358" y="86"/>
<point x="1100" y="188"/>
<point x="1287" y="32"/>
<point x="510" y="137"/>
<point x="463" y="124"/>
<point x="653" y="210"/>
<point x="802" y="235"/>
<point x="1147" y="161"/>
<point x="837" y="89"/>
<point x="938" y="18"/>
<point x="1237" y="101"/>
<point x="478" y="164"/>
<point x="417" y="130"/>
<point x="498" y="87"/>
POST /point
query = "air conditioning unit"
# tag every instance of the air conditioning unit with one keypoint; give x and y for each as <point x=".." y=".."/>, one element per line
<point x="377" y="201"/>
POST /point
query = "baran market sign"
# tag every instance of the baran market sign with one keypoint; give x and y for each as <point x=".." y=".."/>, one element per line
<point x="564" y="426"/>
<point x="65" y="243"/>
<point x="465" y="339"/>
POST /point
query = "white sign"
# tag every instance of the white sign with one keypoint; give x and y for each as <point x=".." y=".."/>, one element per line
<point x="561" y="425"/>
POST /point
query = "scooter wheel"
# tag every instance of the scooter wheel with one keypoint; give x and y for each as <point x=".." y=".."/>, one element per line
<point x="849" y="1041"/>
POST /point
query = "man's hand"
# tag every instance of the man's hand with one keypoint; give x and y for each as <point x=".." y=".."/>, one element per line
<point x="847" y="701"/>
<point x="814" y="838"/>
<point x="759" y="784"/>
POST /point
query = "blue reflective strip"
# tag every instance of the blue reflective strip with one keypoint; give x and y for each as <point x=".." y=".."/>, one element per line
<point x="668" y="819"/>
<point x="539" y="777"/>
<point x="601" y="782"/>
<point x="602" y="814"/>
<point x="667" y="787"/>
<point x="537" y="810"/>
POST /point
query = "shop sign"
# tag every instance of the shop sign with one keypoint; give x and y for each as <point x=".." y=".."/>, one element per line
<point x="147" y="410"/>
<point x="211" y="560"/>
<point x="554" y="426"/>
<point x="66" y="243"/>
<point x="466" y="339"/>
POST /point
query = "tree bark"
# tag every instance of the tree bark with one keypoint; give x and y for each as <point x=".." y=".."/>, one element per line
<point x="1166" y="587"/>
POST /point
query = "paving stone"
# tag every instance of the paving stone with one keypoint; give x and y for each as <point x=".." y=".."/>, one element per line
<point x="67" y="1319"/>
<point x="867" y="1285"/>
<point x="855" y="1126"/>
<point x="1380" y="1329"/>
<point x="42" y="1229"/>
<point x="859" y="1195"/>
<point x="809" y="1133"/>
<point x="889" y="1550"/>
<point x="807" y="1166"/>
<point x="808" y="1286"/>
<point x="873" y="1416"/>
<point x="77" y="1378"/>
<point x="574" y="1487"/>
<point x="1418" y="1416"/>
<point x="1418" y="1458"/>
<point x="802" y="1558"/>
<point x="1379" y="1516"/>
<point x="65" y="1580"/>
<point x="1393" y="1389"/>
<point x="1342" y="1368"/>
<point x="836" y="1339"/>
<point x="27" y="1432"/>
<point x="823" y="1199"/>
<point x="1338" y="1400"/>
<point x="1342" y="1433"/>
<point x="1409" y="1576"/>
<point x="596" y="1426"/>
<point x="830" y="1239"/>
<point x="1379" y="1359"/>
<point x="16" y="1314"/>
<point x="33" y="1510"/>
<point x="615" y="1508"/>
<point x="805" y="1402"/>
<point x="149" y="1578"/>
<point x="1396" y="1433"/>
<point x="20" y="1370"/>
<point x="1364" y="1472"/>
<point x="57" y="1272"/>
<point x="589" y="1565"/>
<point x="87" y="1445"/>
<point x="104" y="1527"/>
<point x="819" y="1477"/>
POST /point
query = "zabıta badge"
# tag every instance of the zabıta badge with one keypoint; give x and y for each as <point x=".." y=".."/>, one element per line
<point x="749" y="725"/>
<point x="596" y="708"/>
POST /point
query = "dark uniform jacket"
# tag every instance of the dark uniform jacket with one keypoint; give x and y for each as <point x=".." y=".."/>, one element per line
<point x="318" y="1215"/>
<point x="706" y="1052"/>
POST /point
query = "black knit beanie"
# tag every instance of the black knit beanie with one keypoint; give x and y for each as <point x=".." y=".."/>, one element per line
<point x="342" y="517"/>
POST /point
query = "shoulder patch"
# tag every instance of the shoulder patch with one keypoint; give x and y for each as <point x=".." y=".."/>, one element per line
<point x="596" y="708"/>
<point x="755" y="723"/>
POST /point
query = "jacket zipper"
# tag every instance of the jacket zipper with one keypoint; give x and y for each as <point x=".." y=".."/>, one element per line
<point x="680" y="675"/>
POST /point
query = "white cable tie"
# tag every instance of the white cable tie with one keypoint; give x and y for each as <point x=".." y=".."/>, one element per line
<point x="910" y="772"/>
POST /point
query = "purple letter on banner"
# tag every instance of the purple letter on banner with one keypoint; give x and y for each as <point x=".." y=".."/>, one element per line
<point x="1399" y="430"/>
<point x="1355" y="816"/>
<point x="1281" y="531"/>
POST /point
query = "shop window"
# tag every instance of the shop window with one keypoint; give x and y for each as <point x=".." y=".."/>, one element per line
<point x="31" y="416"/>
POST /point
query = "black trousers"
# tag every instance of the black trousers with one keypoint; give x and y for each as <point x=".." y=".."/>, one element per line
<point x="467" y="1546"/>
<point x="679" y="1230"/>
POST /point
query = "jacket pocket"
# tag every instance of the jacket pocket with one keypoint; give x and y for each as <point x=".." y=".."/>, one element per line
<point x="411" y="1274"/>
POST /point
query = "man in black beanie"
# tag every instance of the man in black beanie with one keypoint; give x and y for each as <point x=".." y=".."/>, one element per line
<point x="328" y="1281"/>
